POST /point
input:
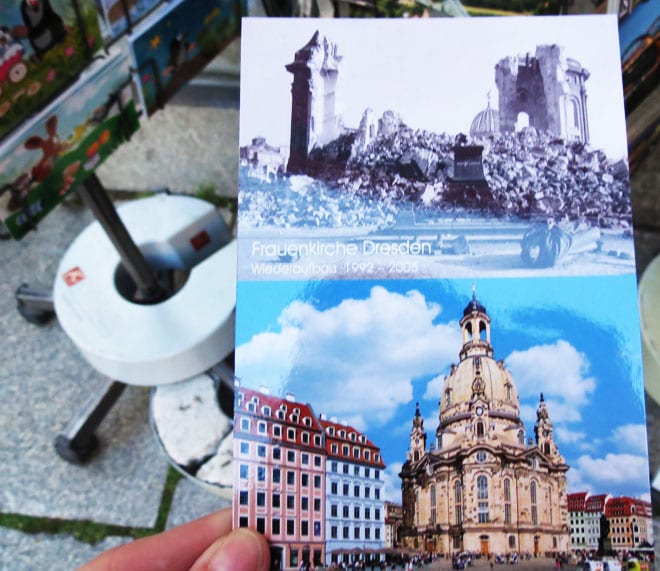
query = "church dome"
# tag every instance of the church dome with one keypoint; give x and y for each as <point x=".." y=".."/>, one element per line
<point x="486" y="123"/>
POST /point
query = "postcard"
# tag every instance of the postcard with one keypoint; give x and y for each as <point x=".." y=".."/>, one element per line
<point x="437" y="331"/>
<point x="121" y="15"/>
<point x="177" y="41"/>
<point x="44" y="45"/>
<point x="43" y="161"/>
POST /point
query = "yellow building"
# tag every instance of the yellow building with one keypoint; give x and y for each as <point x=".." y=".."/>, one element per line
<point x="484" y="486"/>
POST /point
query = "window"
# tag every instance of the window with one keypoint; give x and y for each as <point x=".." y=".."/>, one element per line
<point x="507" y="513"/>
<point x="367" y="492"/>
<point x="377" y="493"/>
<point x="367" y="471"/>
<point x="480" y="429"/>
<point x="367" y="454"/>
<point x="356" y="452"/>
<point x="304" y="480"/>
<point x="356" y="533"/>
<point x="344" y="531"/>
<point x="243" y="471"/>
<point x="245" y="447"/>
<point x="507" y="490"/>
<point x="367" y="513"/>
<point x="277" y="431"/>
<point x="276" y="475"/>
<point x="356" y="512"/>
<point x="535" y="515"/>
<point x="333" y="532"/>
<point x="261" y="499"/>
<point x="290" y="502"/>
<point x="261" y="474"/>
<point x="275" y="526"/>
<point x="334" y="449"/>
<point x="367" y="533"/>
<point x="291" y="433"/>
<point x="261" y="525"/>
<point x="266" y="410"/>
<point x="317" y="482"/>
<point x="277" y="453"/>
<point x="344" y="469"/>
<point x="242" y="521"/>
<point x="532" y="492"/>
<point x="293" y="554"/>
<point x="243" y="497"/>
<point x="275" y="500"/>
<point x="377" y="514"/>
<point x="291" y="528"/>
<point x="345" y="489"/>
<point x="304" y="458"/>
<point x="261" y="451"/>
<point x="317" y="504"/>
<point x="317" y="461"/>
<point x="261" y="427"/>
<point x="433" y="505"/>
<point x="377" y="474"/>
<point x="305" y="437"/>
<point x="333" y="510"/>
<point x="291" y="456"/>
<point x="512" y="541"/>
<point x="333" y="467"/>
<point x="482" y="508"/>
<point x="245" y="424"/>
<point x="458" y="503"/>
<point x="344" y="511"/>
<point x="304" y="503"/>
<point x="377" y="533"/>
<point x="521" y="437"/>
<point x="356" y="491"/>
<point x="482" y="488"/>
<point x="304" y="527"/>
<point x="290" y="478"/>
<point x="333" y="487"/>
<point x="447" y="397"/>
<point x="317" y="528"/>
<point x="344" y="450"/>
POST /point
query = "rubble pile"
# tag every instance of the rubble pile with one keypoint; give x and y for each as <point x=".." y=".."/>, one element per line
<point x="530" y="174"/>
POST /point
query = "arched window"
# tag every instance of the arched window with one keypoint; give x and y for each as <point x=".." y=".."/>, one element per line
<point x="480" y="429"/>
<point x="532" y="492"/>
<point x="482" y="331"/>
<point x="546" y="448"/>
<point x="521" y="437"/>
<point x="433" y="505"/>
<point x="482" y="495"/>
<point x="447" y="397"/>
<point x="458" y="502"/>
<point x="482" y="488"/>
<point x="507" y="490"/>
<point x="508" y="391"/>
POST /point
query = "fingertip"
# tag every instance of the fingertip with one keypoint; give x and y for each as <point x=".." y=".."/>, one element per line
<point x="241" y="550"/>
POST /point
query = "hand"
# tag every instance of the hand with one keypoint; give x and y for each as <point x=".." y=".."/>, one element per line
<point x="206" y="544"/>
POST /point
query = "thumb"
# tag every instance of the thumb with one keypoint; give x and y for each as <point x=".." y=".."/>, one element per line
<point x="241" y="550"/>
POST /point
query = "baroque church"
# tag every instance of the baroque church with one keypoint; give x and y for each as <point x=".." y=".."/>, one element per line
<point x="483" y="486"/>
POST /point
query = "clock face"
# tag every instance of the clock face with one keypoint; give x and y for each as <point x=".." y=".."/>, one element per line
<point x="479" y="410"/>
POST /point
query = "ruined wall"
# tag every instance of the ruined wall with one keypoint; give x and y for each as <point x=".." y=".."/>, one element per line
<point x="549" y="88"/>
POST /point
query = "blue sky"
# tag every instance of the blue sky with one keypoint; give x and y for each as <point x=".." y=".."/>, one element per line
<point x="366" y="351"/>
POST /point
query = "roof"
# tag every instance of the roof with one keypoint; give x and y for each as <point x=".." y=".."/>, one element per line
<point x="338" y="433"/>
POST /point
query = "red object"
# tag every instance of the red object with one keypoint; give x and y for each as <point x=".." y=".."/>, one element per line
<point x="200" y="240"/>
<point x="73" y="276"/>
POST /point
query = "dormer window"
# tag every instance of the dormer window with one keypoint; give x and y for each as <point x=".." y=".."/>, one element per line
<point x="331" y="430"/>
<point x="296" y="411"/>
<point x="307" y="421"/>
<point x="265" y="410"/>
<point x="353" y="436"/>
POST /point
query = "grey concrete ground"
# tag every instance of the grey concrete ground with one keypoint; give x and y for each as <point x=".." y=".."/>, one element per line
<point x="44" y="380"/>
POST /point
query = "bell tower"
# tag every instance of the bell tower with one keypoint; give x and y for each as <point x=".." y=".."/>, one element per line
<point x="544" y="431"/>
<point x="417" y="437"/>
<point x="475" y="330"/>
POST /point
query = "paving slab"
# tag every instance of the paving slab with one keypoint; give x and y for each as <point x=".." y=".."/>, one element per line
<point x="192" y="501"/>
<point x="44" y="381"/>
<point x="27" y="552"/>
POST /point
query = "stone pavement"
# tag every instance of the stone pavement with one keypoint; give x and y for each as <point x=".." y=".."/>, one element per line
<point x="191" y="143"/>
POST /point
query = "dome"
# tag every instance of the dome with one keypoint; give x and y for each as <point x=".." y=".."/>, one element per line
<point x="486" y="123"/>
<point x="474" y="305"/>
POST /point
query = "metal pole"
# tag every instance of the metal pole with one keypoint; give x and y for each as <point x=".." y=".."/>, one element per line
<point x="97" y="200"/>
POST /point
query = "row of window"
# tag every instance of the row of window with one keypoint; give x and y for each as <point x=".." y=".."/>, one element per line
<point x="358" y="533"/>
<point x="357" y="512"/>
<point x="276" y="501"/>
<point x="341" y="433"/>
<point x="291" y="455"/>
<point x="289" y="528"/>
<point x="291" y="433"/>
<point x="358" y="491"/>
<point x="357" y="470"/>
<point x="276" y="476"/>
<point x="357" y="452"/>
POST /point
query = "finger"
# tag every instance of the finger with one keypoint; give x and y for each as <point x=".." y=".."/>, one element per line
<point x="242" y="550"/>
<point x="175" y="550"/>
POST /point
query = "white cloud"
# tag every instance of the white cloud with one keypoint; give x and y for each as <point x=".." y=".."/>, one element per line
<point x="580" y="440"/>
<point x="631" y="438"/>
<point x="392" y="488"/>
<point x="434" y="387"/>
<point x="560" y="372"/>
<point x="614" y="470"/>
<point x="355" y="360"/>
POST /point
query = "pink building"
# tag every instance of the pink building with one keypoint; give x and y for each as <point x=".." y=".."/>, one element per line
<point x="279" y="475"/>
